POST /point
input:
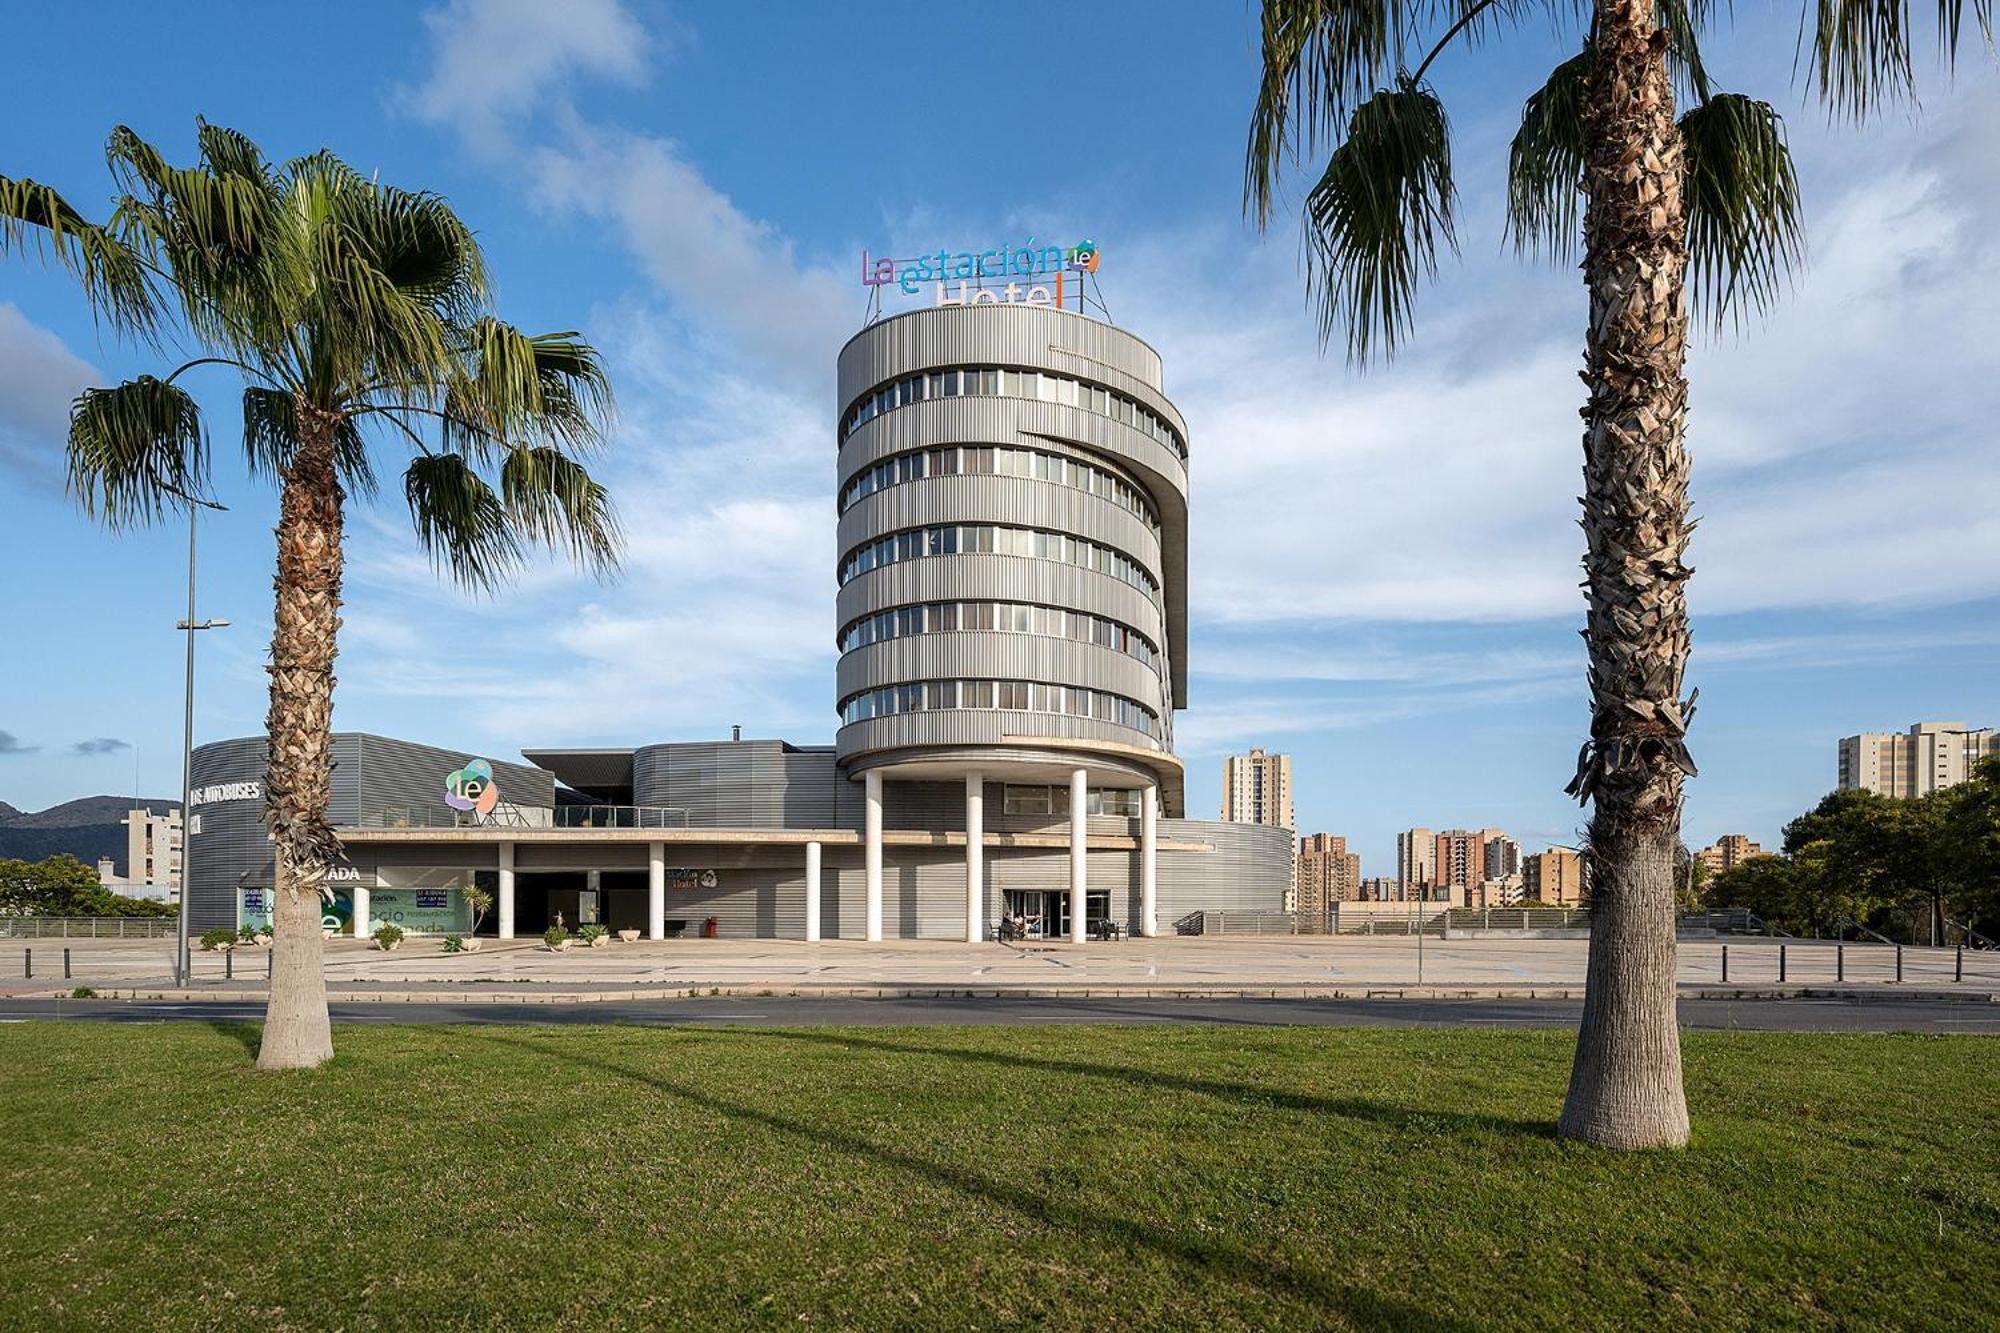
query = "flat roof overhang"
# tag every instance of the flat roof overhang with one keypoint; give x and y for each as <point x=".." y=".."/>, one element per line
<point x="588" y="770"/>
<point x="718" y="837"/>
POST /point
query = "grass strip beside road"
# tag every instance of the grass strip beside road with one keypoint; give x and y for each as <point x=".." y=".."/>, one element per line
<point x="481" y="1177"/>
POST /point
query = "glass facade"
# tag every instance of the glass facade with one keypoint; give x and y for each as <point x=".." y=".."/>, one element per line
<point x="983" y="538"/>
<point x="1014" y="695"/>
<point x="989" y="460"/>
<point x="998" y="382"/>
<point x="1006" y="617"/>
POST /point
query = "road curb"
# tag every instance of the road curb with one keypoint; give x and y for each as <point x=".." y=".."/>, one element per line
<point x="538" y="996"/>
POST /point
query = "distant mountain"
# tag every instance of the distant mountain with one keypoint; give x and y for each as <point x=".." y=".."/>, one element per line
<point x="87" y="828"/>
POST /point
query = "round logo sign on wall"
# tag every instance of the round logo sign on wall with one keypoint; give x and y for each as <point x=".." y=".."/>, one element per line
<point x="472" y="788"/>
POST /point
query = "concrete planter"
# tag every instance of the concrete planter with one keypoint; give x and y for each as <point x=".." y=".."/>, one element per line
<point x="388" y="946"/>
<point x="560" y="948"/>
<point x="629" y="936"/>
<point x="600" y="942"/>
<point x="471" y="944"/>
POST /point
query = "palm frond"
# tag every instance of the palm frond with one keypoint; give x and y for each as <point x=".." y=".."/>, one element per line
<point x="218" y="227"/>
<point x="1745" y="230"/>
<point x="1861" y="52"/>
<point x="461" y="523"/>
<point x="553" y="500"/>
<point x="133" y="449"/>
<point x="1377" y="215"/>
<point x="576" y="393"/>
<point x="1320" y="59"/>
<point x="114" y="275"/>
<point x="1545" y="165"/>
<point x="1681" y="20"/>
<point x="517" y="390"/>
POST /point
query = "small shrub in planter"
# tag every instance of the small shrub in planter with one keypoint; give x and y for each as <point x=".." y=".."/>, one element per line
<point x="388" y="935"/>
<point x="454" y="944"/>
<point x="246" y="934"/>
<point x="556" y="938"/>
<point x="83" y="993"/>
<point x="219" y="938"/>
<point x="595" y="937"/>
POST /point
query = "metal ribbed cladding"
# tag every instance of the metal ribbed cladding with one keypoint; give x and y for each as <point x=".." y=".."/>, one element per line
<point x="978" y="726"/>
<point x="998" y="578"/>
<point x="1016" y="337"/>
<point x="979" y="655"/>
<point x="1012" y="502"/>
<point x="1023" y="421"/>
<point x="1032" y="337"/>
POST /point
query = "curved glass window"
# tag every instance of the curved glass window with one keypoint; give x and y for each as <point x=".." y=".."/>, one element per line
<point x="999" y="382"/>
<point x="984" y="538"/>
<point x="998" y="461"/>
<point x="1021" y="696"/>
<point x="1053" y="622"/>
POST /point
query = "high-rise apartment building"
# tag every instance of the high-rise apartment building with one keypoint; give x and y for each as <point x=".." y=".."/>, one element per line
<point x="1257" y="789"/>
<point x="1416" y="859"/>
<point x="1553" y="878"/>
<point x="1327" y="872"/>
<point x="1727" y="852"/>
<point x="152" y="856"/>
<point x="1929" y="757"/>
<point x="1503" y="855"/>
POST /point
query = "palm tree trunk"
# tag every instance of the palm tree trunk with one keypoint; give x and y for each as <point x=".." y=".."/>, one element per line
<point x="1625" y="1087"/>
<point x="297" y="1033"/>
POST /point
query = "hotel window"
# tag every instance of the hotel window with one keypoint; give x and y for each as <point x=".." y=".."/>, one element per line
<point x="1117" y="801"/>
<point x="917" y="543"/>
<point x="1027" y="800"/>
<point x="1041" y="385"/>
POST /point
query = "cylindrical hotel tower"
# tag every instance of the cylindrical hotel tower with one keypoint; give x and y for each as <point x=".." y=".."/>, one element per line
<point x="1012" y="606"/>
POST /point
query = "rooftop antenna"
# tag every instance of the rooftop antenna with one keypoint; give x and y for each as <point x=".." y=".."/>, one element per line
<point x="736" y="732"/>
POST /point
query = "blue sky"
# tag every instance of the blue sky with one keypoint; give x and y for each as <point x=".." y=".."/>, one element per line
<point x="1383" y="564"/>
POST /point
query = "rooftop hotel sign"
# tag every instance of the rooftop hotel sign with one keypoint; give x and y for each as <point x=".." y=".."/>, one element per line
<point x="1026" y="274"/>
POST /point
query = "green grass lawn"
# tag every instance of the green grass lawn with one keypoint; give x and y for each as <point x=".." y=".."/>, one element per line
<point x="949" y="1178"/>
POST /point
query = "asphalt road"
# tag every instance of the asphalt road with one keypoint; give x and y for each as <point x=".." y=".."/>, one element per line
<point x="1889" y="1014"/>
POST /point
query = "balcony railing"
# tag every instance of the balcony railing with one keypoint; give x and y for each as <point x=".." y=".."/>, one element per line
<point x="529" y="817"/>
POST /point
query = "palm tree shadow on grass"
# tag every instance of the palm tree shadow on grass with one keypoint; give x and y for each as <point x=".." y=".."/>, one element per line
<point x="1353" y="1108"/>
<point x="250" y="1036"/>
<point x="1353" y="1304"/>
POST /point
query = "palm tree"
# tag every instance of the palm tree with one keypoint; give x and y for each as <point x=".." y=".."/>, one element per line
<point x="358" y="317"/>
<point x="1706" y="199"/>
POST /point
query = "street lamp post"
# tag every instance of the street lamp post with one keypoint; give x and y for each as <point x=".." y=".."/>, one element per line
<point x="181" y="965"/>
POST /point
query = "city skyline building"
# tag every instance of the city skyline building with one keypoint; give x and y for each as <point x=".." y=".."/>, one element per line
<point x="152" y="856"/>
<point x="1553" y="877"/>
<point x="1257" y="789"/>
<point x="1327" y="872"/>
<point x="1728" y="852"/>
<point x="1929" y="757"/>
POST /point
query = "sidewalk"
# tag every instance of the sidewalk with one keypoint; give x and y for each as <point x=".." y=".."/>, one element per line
<point x="1173" y="967"/>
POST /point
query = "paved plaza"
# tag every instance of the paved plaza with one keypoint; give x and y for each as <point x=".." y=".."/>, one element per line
<point x="1215" y="966"/>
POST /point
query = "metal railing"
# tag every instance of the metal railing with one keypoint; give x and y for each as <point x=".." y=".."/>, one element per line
<point x="1518" y="918"/>
<point x="87" y="927"/>
<point x="562" y="816"/>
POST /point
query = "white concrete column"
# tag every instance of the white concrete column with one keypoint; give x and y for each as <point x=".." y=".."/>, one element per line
<point x="1079" y="853"/>
<point x="361" y="924"/>
<point x="975" y="855"/>
<point x="656" y="890"/>
<point x="506" y="890"/>
<point x="1149" y="861"/>
<point x="812" y="893"/>
<point x="872" y="852"/>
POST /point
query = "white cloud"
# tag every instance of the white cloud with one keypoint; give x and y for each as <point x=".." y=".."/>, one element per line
<point x="39" y="376"/>
<point x="496" y="58"/>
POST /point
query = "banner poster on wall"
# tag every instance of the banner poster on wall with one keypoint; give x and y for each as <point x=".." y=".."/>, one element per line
<point x="253" y="909"/>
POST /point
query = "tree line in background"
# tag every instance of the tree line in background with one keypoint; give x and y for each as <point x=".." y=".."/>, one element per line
<point x="61" y="885"/>
<point x="1924" y="869"/>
